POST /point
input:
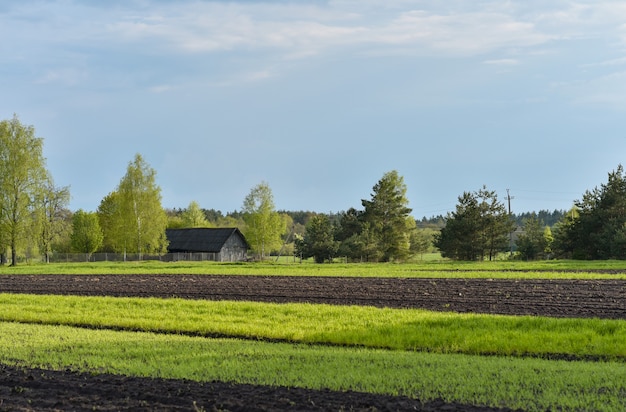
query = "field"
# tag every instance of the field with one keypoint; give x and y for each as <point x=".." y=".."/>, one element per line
<point x="547" y="335"/>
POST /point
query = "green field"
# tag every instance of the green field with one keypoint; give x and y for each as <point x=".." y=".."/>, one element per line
<point x="502" y="361"/>
<point x="554" y="269"/>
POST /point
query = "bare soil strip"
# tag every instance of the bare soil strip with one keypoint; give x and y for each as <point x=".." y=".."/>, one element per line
<point x="45" y="390"/>
<point x="555" y="298"/>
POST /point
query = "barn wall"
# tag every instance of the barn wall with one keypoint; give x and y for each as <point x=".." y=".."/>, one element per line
<point x="234" y="249"/>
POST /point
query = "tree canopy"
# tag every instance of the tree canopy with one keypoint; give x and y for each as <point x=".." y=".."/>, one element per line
<point x="389" y="217"/>
<point x="596" y="227"/>
<point x="132" y="217"/>
<point x="86" y="235"/>
<point x="479" y="228"/>
<point x="319" y="241"/>
<point x="193" y="216"/>
<point x="23" y="178"/>
<point x="264" y="226"/>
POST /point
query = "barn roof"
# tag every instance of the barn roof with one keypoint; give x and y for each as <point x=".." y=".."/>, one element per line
<point x="200" y="239"/>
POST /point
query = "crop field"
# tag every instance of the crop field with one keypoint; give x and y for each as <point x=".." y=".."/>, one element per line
<point x="431" y="336"/>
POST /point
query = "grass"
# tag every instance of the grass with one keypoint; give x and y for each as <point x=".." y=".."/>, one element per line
<point x="396" y="329"/>
<point x="555" y="269"/>
<point x="425" y="355"/>
<point x="529" y="384"/>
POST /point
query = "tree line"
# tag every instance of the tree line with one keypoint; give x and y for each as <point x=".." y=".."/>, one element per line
<point x="35" y="219"/>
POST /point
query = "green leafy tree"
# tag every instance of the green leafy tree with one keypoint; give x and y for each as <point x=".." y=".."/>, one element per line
<point x="174" y="219"/>
<point x="388" y="215"/>
<point x="478" y="228"/>
<point x="23" y="176"/>
<point x="193" y="216"/>
<point x="263" y="225"/>
<point x="53" y="202"/>
<point x="132" y="217"/>
<point x="318" y="241"/>
<point x="549" y="240"/>
<point x="112" y="223"/>
<point x="87" y="235"/>
<point x="422" y="241"/>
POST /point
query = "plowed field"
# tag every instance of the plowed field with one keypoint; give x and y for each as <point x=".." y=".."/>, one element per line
<point x="29" y="389"/>
<point x="556" y="298"/>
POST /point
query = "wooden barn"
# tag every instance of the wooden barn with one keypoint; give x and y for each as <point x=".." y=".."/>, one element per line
<point x="218" y="244"/>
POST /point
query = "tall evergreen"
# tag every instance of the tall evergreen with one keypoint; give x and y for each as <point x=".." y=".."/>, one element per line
<point x="389" y="217"/>
<point x="598" y="229"/>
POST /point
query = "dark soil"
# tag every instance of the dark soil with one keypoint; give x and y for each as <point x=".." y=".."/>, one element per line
<point x="23" y="389"/>
<point x="45" y="390"/>
<point x="556" y="298"/>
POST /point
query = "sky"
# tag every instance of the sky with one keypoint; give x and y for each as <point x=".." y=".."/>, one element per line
<point x="319" y="99"/>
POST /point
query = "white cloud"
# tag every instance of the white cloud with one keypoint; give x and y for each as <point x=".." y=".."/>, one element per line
<point x="62" y="76"/>
<point x="162" y="88"/>
<point x="293" y="28"/>
<point x="605" y="63"/>
<point x="502" y="62"/>
<point x="607" y="91"/>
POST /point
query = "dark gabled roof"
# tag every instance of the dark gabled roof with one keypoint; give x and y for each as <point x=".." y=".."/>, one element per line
<point x="200" y="239"/>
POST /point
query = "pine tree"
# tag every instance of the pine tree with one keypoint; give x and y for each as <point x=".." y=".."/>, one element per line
<point x="388" y="215"/>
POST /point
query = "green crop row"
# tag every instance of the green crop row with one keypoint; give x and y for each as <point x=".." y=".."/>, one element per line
<point x="529" y="384"/>
<point x="398" y="329"/>
<point x="498" y="269"/>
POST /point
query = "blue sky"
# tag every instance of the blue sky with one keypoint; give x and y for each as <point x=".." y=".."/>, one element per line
<point x="320" y="98"/>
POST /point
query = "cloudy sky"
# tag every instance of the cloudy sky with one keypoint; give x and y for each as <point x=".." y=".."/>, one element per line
<point x="320" y="98"/>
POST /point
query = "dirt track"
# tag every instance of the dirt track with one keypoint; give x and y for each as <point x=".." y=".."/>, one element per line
<point x="42" y="390"/>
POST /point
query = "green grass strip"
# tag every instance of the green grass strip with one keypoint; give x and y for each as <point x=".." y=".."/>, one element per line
<point x="443" y="269"/>
<point x="529" y="384"/>
<point x="398" y="329"/>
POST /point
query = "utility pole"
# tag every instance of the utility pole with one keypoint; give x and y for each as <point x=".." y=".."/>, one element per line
<point x="508" y="198"/>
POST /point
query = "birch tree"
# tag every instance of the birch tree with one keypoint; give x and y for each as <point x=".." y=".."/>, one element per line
<point x="264" y="226"/>
<point x="52" y="207"/>
<point x="193" y="216"/>
<point x="132" y="217"/>
<point x="22" y="178"/>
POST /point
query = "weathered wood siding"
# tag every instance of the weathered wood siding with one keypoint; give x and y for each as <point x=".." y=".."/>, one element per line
<point x="235" y="249"/>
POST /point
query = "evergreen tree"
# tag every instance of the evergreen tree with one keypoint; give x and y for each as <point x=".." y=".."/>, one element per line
<point x="388" y="215"/>
<point x="531" y="244"/>
<point x="478" y="228"/>
<point x="459" y="239"/>
<point x="599" y="229"/>
<point x="318" y="241"/>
